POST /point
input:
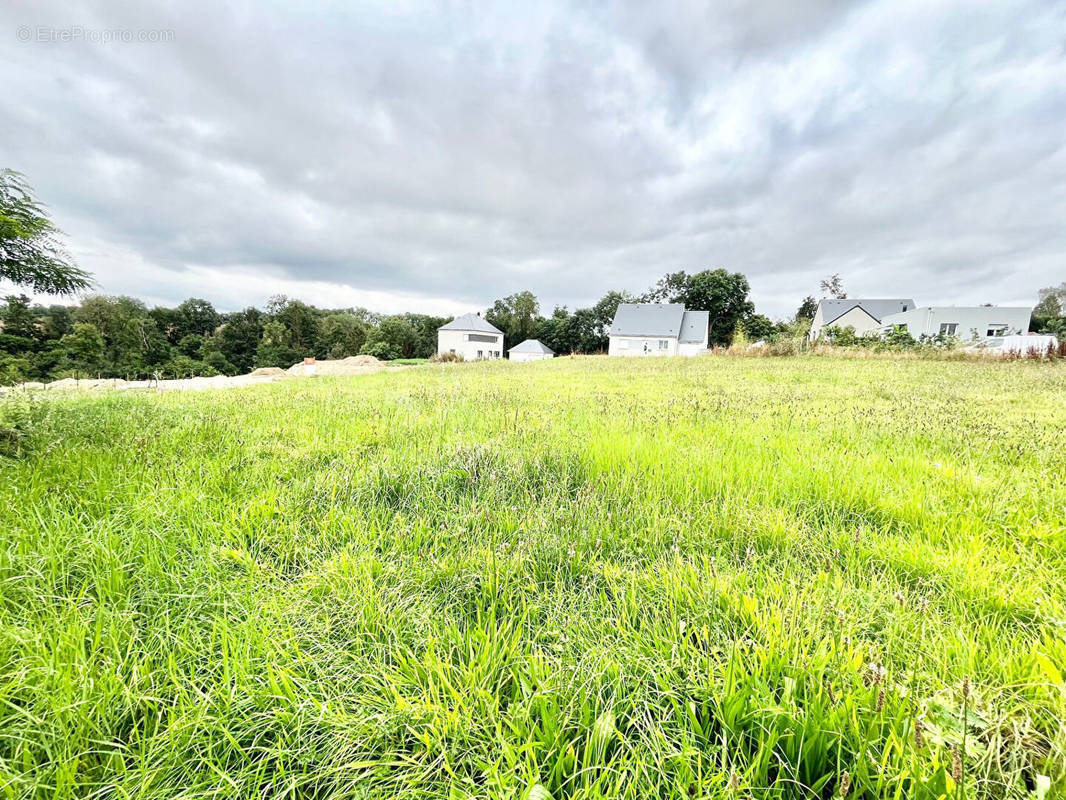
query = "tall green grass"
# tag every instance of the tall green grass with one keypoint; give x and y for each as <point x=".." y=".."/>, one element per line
<point x="585" y="578"/>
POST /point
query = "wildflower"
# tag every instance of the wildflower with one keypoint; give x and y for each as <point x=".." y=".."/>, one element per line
<point x="919" y="740"/>
<point x="956" y="764"/>
<point x="966" y="687"/>
<point x="881" y="699"/>
<point x="901" y="599"/>
<point x="923" y="605"/>
<point x="829" y="692"/>
<point x="845" y="784"/>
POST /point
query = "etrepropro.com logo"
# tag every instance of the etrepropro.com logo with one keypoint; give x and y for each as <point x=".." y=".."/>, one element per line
<point x="79" y="33"/>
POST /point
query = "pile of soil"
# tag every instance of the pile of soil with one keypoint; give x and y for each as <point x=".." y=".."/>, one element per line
<point x="88" y="383"/>
<point x="352" y="365"/>
<point x="268" y="371"/>
<point x="363" y="361"/>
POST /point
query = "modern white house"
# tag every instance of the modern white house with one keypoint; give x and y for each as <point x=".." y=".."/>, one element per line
<point x="863" y="315"/>
<point x="530" y="350"/>
<point x="658" y="329"/>
<point x="968" y="323"/>
<point x="471" y="337"/>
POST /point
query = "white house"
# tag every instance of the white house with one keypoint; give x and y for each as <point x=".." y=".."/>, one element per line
<point x="471" y="337"/>
<point x="863" y="315"/>
<point x="968" y="323"/>
<point x="530" y="350"/>
<point x="658" y="329"/>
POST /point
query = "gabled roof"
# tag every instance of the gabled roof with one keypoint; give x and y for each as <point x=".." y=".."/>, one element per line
<point x="469" y="322"/>
<point x="878" y="308"/>
<point x="648" y="319"/>
<point x="532" y="346"/>
<point x="694" y="326"/>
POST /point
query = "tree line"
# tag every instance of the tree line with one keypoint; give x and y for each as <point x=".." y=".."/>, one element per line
<point x="121" y="337"/>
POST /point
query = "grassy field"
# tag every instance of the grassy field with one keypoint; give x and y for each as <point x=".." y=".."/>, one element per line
<point x="587" y="578"/>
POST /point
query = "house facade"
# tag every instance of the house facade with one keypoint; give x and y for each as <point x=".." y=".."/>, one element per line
<point x="968" y="323"/>
<point x="530" y="350"/>
<point x="471" y="337"/>
<point x="863" y="315"/>
<point x="658" y="329"/>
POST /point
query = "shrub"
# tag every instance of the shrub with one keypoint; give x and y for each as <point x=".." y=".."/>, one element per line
<point x="445" y="358"/>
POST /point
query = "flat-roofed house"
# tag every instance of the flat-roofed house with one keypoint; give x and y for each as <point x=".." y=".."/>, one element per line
<point x="863" y="315"/>
<point x="471" y="337"/>
<point x="968" y="323"/>
<point x="658" y="329"/>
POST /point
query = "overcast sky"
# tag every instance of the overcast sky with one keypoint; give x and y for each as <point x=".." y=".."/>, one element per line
<point x="433" y="157"/>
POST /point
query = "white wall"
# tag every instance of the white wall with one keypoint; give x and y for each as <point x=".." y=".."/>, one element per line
<point x="972" y="322"/>
<point x="529" y="356"/>
<point x="694" y="348"/>
<point x="859" y="320"/>
<point x="459" y="342"/>
<point x="816" y="324"/>
<point x="634" y="346"/>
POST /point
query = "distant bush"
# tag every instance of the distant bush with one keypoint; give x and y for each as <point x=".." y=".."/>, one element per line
<point x="444" y="358"/>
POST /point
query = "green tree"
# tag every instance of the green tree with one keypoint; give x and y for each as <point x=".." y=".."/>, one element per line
<point x="134" y="344"/>
<point x="195" y="317"/>
<point x="394" y="337"/>
<point x="758" y="328"/>
<point x="584" y="332"/>
<point x="1052" y="301"/>
<point x="554" y="331"/>
<point x="808" y="308"/>
<point x="191" y="345"/>
<point x="299" y="319"/>
<point x="239" y="337"/>
<point x="833" y="286"/>
<point x="604" y="312"/>
<point x="30" y="251"/>
<point x="517" y="315"/>
<point x="83" y="349"/>
<point x="19" y="335"/>
<point x="669" y="287"/>
<point x="17" y="317"/>
<point x="55" y="321"/>
<point x="723" y="294"/>
<point x="218" y="362"/>
<point x="426" y="328"/>
<point x="340" y="335"/>
<point x="14" y="369"/>
<point x="275" y="348"/>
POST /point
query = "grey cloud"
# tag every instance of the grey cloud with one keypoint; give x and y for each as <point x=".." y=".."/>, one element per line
<point x="468" y="153"/>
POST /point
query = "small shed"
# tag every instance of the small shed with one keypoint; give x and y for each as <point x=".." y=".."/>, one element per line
<point x="530" y="350"/>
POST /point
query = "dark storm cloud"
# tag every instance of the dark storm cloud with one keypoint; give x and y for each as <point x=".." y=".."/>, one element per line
<point x="452" y="157"/>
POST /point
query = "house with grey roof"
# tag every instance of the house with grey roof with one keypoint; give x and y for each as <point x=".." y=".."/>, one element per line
<point x="862" y="315"/>
<point x="658" y="329"/>
<point x="470" y="336"/>
<point x="530" y="350"/>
